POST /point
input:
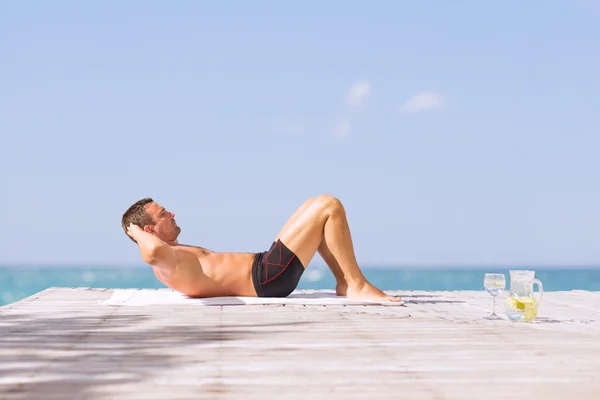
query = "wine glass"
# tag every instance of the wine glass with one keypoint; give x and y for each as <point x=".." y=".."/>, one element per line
<point x="494" y="284"/>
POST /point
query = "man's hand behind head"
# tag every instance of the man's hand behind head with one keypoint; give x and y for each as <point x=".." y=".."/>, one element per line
<point x="133" y="230"/>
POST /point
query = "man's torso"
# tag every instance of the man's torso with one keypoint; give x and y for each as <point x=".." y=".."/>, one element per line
<point x="203" y="273"/>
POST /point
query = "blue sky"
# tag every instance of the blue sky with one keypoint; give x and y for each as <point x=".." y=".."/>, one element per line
<point x="455" y="133"/>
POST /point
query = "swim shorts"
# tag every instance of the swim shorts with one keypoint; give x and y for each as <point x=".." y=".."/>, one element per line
<point x="276" y="272"/>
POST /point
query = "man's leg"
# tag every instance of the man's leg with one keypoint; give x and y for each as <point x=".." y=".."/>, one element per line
<point x="321" y="224"/>
<point x="341" y="285"/>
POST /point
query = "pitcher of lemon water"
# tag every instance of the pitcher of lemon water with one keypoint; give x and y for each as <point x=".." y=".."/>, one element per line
<point x="521" y="304"/>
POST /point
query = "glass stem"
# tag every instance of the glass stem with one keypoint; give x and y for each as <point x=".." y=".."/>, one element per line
<point x="494" y="305"/>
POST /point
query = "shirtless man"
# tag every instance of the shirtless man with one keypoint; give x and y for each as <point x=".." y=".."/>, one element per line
<point x="320" y="224"/>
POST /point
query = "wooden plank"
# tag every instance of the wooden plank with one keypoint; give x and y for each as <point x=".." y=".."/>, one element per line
<point x="62" y="343"/>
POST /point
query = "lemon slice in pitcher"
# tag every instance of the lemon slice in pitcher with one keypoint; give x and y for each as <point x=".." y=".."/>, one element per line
<point x="527" y="305"/>
<point x="523" y="303"/>
<point x="530" y="313"/>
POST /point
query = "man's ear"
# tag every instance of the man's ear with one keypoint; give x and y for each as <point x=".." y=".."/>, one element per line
<point x="149" y="229"/>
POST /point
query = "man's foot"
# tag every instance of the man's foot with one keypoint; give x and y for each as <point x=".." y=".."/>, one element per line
<point x="341" y="289"/>
<point x="367" y="291"/>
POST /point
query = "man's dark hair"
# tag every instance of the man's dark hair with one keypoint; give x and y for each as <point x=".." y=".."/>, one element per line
<point x="136" y="214"/>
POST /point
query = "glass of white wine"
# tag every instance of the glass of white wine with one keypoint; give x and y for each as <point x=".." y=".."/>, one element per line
<point x="494" y="284"/>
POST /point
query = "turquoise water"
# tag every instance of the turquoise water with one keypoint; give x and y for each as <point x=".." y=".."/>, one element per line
<point x="19" y="282"/>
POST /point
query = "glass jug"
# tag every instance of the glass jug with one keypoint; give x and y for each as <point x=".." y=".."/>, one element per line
<point x="521" y="304"/>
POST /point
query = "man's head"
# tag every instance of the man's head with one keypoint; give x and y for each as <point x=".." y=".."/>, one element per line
<point x="152" y="218"/>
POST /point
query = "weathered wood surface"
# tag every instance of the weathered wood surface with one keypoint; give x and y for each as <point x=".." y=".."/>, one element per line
<point x="61" y="343"/>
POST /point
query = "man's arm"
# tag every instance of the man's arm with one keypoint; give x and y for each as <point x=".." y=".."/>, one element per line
<point x="153" y="250"/>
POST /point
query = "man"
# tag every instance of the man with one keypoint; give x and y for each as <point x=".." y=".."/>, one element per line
<point x="320" y="224"/>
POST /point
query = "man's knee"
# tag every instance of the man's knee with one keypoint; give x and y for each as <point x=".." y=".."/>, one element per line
<point x="329" y="203"/>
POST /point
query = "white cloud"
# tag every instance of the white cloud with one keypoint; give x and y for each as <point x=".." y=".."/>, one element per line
<point x="359" y="93"/>
<point x="423" y="101"/>
<point x="341" y="128"/>
<point x="357" y="96"/>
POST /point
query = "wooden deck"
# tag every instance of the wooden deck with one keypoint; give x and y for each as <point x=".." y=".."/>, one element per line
<point x="62" y="343"/>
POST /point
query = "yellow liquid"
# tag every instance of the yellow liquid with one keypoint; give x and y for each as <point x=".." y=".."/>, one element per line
<point x="527" y="305"/>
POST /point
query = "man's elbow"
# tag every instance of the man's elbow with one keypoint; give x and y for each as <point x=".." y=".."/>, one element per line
<point x="149" y="254"/>
<point x="149" y="258"/>
<point x="160" y="256"/>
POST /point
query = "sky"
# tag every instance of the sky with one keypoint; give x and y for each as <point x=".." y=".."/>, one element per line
<point x="454" y="133"/>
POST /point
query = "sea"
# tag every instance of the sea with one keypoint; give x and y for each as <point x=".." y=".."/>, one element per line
<point x="19" y="282"/>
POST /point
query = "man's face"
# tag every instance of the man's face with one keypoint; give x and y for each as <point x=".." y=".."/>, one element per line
<point x="165" y="228"/>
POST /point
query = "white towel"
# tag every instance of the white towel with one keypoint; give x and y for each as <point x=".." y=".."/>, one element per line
<point x="147" y="297"/>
